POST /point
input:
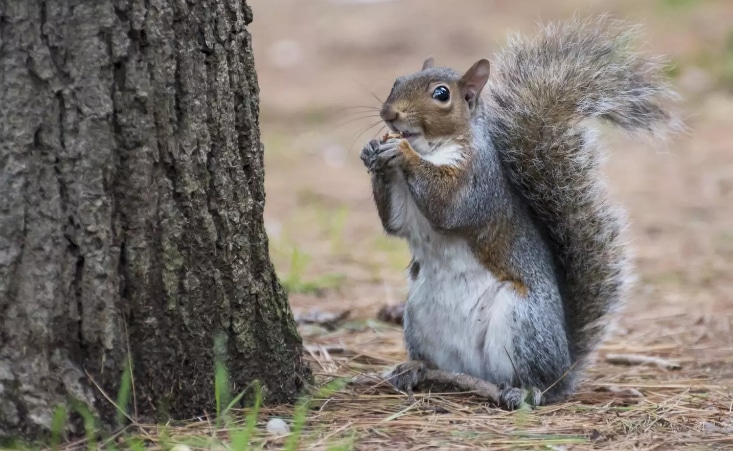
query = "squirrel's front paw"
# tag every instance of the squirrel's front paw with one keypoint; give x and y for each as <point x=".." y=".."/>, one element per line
<point x="406" y="376"/>
<point x="377" y="155"/>
<point x="369" y="154"/>
<point x="513" y="398"/>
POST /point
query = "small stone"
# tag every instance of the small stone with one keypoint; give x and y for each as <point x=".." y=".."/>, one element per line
<point x="276" y="426"/>
<point x="180" y="447"/>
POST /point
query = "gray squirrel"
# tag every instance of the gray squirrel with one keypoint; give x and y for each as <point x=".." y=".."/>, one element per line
<point x="518" y="260"/>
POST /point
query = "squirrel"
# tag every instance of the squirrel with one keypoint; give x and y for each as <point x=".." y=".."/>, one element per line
<point x="518" y="256"/>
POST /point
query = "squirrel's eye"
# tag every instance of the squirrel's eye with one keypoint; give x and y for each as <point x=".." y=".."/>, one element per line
<point x="441" y="93"/>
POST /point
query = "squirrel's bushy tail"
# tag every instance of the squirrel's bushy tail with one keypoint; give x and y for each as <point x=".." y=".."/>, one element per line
<point x="543" y="89"/>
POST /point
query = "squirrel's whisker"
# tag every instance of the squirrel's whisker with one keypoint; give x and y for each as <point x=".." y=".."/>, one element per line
<point x="341" y="112"/>
<point x="381" y="129"/>
<point x="356" y="119"/>
<point x="345" y="112"/>
<point x="364" y="107"/>
<point x="358" y="115"/>
<point x="369" y="92"/>
<point x="369" y="127"/>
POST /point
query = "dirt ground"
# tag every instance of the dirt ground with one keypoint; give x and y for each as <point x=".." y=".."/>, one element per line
<point x="316" y="57"/>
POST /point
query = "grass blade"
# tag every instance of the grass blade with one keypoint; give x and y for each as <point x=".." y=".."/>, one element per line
<point x="123" y="394"/>
<point x="57" y="426"/>
<point x="241" y="437"/>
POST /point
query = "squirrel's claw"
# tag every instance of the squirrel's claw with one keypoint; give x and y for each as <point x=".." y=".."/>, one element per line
<point x="369" y="154"/>
<point x="376" y="155"/>
<point x="513" y="398"/>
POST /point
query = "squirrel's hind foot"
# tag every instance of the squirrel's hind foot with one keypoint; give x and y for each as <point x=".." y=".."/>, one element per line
<point x="513" y="398"/>
<point x="407" y="375"/>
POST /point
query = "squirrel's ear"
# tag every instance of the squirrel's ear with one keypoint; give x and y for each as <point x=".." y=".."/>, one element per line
<point x="428" y="63"/>
<point x="473" y="81"/>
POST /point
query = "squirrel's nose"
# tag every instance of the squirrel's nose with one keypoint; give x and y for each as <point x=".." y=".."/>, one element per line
<point x="388" y="113"/>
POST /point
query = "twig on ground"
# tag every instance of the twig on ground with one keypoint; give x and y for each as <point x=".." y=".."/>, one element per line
<point x="635" y="359"/>
<point x="327" y="320"/>
<point x="331" y="349"/>
<point x="626" y="392"/>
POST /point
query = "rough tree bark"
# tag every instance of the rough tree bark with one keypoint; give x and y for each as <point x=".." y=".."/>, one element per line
<point x="131" y="175"/>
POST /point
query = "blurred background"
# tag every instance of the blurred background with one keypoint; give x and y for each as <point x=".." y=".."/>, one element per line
<point x="315" y="58"/>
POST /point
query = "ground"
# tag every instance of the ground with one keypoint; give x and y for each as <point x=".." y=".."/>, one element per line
<point x="317" y="59"/>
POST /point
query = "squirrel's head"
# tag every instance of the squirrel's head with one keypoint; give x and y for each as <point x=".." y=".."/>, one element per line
<point x="435" y="104"/>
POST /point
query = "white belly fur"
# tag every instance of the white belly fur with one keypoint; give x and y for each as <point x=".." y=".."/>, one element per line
<point x="458" y="314"/>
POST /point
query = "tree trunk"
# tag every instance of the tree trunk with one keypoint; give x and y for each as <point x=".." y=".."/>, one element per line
<point x="131" y="222"/>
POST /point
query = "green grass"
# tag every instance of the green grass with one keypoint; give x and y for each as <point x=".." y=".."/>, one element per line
<point x="240" y="437"/>
<point x="231" y="430"/>
<point x="727" y="75"/>
<point x="680" y="4"/>
<point x="672" y="70"/>
<point x="57" y="426"/>
<point x="294" y="281"/>
<point x="292" y="261"/>
<point x="90" y="423"/>
<point x="396" y="251"/>
<point x="136" y="444"/>
<point x="301" y="412"/>
<point x="123" y="394"/>
<point x="334" y="225"/>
